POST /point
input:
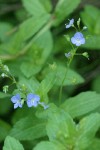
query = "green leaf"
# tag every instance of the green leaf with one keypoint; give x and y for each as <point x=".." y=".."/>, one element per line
<point x="87" y="129"/>
<point x="47" y="83"/>
<point x="32" y="69"/>
<point x="5" y="105"/>
<point x="92" y="21"/>
<point x="3" y="95"/>
<point x="49" y="146"/>
<point x="11" y="143"/>
<point x="5" y="28"/>
<point x="90" y="17"/>
<point x="63" y="9"/>
<point x="95" y="145"/>
<point x="34" y="7"/>
<point x="4" y="129"/>
<point x="31" y="84"/>
<point x="95" y="40"/>
<point x="61" y="127"/>
<point x="96" y="84"/>
<point x="39" y="54"/>
<point x="71" y="78"/>
<point x="82" y="104"/>
<point x="29" y="128"/>
<point x="47" y="4"/>
<point x="17" y="42"/>
<point x="21" y="113"/>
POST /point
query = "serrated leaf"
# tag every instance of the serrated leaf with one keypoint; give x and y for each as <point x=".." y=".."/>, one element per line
<point x="40" y="54"/>
<point x="71" y="77"/>
<point x="29" y="128"/>
<point x="34" y="7"/>
<point x="63" y="9"/>
<point x="11" y="143"/>
<point x="61" y="127"/>
<point x="82" y="104"/>
<point x="87" y="129"/>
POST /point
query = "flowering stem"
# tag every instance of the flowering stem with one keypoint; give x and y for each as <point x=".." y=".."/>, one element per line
<point x="68" y="65"/>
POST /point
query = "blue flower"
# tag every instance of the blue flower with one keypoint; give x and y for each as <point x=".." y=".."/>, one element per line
<point x="17" y="101"/>
<point x="71" y="22"/>
<point x="32" y="100"/>
<point x="78" y="39"/>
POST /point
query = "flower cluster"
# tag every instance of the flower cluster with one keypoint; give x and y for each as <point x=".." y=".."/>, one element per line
<point x="32" y="100"/>
<point x="78" y="38"/>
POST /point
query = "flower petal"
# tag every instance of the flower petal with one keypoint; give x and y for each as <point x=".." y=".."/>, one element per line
<point x="73" y="40"/>
<point x="83" y="41"/>
<point x="20" y="105"/>
<point x="30" y="96"/>
<point x="16" y="105"/>
<point x="15" y="98"/>
<point x="78" y="43"/>
<point x="29" y="103"/>
<point x="78" y="35"/>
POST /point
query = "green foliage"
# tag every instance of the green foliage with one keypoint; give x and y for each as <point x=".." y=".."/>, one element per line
<point x="29" y="128"/>
<point x="72" y="77"/>
<point x="33" y="61"/>
<point x="35" y="8"/>
<point x="82" y="104"/>
<point x="63" y="9"/>
<point x="86" y="130"/>
<point x="49" y="146"/>
<point x="96" y="84"/>
<point x="12" y="144"/>
<point x="4" y="129"/>
<point x="92" y="21"/>
<point x="64" y="134"/>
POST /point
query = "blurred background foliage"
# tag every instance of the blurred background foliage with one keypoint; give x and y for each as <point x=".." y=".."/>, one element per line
<point x="32" y="41"/>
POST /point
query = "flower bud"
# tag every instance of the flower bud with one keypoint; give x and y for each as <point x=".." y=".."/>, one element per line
<point x="85" y="54"/>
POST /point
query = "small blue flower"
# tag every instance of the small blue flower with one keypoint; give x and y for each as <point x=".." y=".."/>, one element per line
<point x="71" y="22"/>
<point x="78" y="39"/>
<point x="68" y="55"/>
<point x="32" y="100"/>
<point x="17" y="101"/>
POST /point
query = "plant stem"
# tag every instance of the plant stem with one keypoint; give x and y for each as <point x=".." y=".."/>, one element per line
<point x="68" y="65"/>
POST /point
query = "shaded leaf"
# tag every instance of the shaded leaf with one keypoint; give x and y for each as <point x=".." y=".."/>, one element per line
<point x="4" y="129"/>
